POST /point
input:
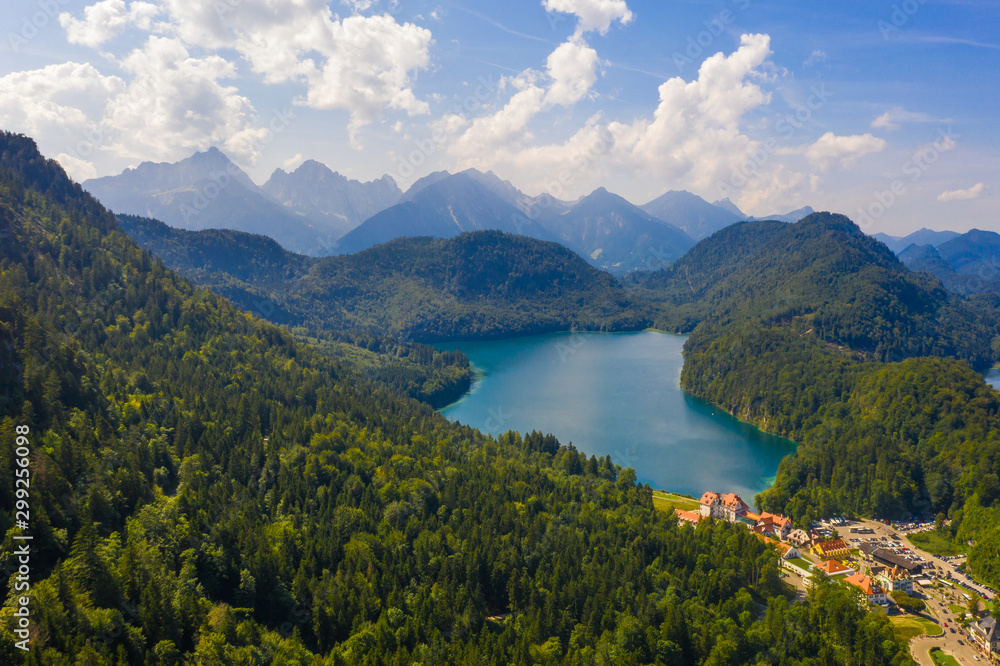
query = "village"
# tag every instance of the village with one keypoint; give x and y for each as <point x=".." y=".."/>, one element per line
<point x="891" y="577"/>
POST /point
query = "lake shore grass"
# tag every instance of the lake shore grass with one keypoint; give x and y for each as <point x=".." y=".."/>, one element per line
<point x="666" y="501"/>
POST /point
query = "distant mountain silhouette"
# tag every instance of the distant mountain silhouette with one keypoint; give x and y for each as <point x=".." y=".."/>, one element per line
<point x="919" y="238"/>
<point x="330" y="201"/>
<point x="966" y="264"/>
<point x="616" y="235"/>
<point x="204" y="191"/>
<point x="443" y="207"/>
<point x="689" y="212"/>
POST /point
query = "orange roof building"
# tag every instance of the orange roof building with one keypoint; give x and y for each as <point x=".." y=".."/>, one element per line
<point x="688" y="516"/>
<point x="834" y="568"/>
<point x="873" y="593"/>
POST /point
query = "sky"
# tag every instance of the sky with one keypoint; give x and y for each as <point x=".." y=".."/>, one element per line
<point x="881" y="110"/>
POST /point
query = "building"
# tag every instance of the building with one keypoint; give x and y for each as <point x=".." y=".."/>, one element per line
<point x="733" y="506"/>
<point x="895" y="579"/>
<point x="873" y="593"/>
<point x="833" y="568"/>
<point x="688" y="516"/>
<point x="831" y="549"/>
<point x="710" y="507"/>
<point x="800" y="538"/>
<point x="883" y="556"/>
<point x="774" y="524"/>
<point x="986" y="633"/>
<point x="730" y="506"/>
<point x="788" y="552"/>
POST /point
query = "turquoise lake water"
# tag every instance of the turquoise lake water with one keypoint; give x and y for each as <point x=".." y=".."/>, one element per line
<point x="617" y="395"/>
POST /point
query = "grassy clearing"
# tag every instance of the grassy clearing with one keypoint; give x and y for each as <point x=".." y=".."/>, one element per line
<point x="669" y="501"/>
<point x="911" y="627"/>
<point x="957" y="610"/>
<point x="799" y="563"/>
<point x="936" y="543"/>
<point x="942" y="659"/>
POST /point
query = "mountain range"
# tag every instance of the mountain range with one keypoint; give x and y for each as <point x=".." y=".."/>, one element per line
<point x="306" y="211"/>
<point x="316" y="211"/>
<point x="923" y="237"/>
<point x="966" y="264"/>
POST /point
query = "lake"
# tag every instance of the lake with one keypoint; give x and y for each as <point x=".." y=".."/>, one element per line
<point x="617" y="394"/>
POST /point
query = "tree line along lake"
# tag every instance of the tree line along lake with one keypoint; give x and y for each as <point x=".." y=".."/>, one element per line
<point x="617" y="394"/>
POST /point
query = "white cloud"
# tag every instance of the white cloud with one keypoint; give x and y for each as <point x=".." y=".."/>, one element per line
<point x="973" y="192"/>
<point x="695" y="130"/>
<point x="571" y="71"/>
<point x="847" y="150"/>
<point x="77" y="168"/>
<point x="506" y="127"/>
<point x="294" y="161"/>
<point x="892" y="118"/>
<point x="593" y="14"/>
<point x="63" y="103"/>
<point x="358" y="5"/>
<point x="361" y="64"/>
<point x="169" y="105"/>
<point x="175" y="104"/>
<point x="815" y="58"/>
<point x="105" y="20"/>
<point x="573" y="68"/>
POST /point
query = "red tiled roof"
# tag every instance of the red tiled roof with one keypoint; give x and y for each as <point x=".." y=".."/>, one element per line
<point x="709" y="497"/>
<point x="689" y="516"/>
<point x="734" y="501"/>
<point x="833" y="568"/>
<point x="865" y="583"/>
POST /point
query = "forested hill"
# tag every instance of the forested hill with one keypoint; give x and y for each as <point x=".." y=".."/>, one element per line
<point x="816" y="332"/>
<point x="477" y="285"/>
<point x="824" y="277"/>
<point x="206" y="490"/>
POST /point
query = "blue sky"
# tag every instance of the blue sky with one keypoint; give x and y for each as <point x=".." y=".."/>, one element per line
<point x="884" y="111"/>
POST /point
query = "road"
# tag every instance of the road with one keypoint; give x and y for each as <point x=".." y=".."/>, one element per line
<point x="944" y="567"/>
<point x="952" y="641"/>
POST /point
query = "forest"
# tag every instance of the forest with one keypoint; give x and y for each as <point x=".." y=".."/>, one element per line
<point x="479" y="285"/>
<point x="205" y="488"/>
<point x="816" y="332"/>
<point x="796" y="328"/>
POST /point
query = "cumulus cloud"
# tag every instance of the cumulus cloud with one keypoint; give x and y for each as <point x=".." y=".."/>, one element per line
<point x="893" y="118"/>
<point x="361" y="64"/>
<point x="63" y="103"/>
<point x="695" y="130"/>
<point x="973" y="192"/>
<point x="592" y="14"/>
<point x="831" y="148"/>
<point x="573" y="69"/>
<point x="693" y="139"/>
<point x="169" y="104"/>
<point x="105" y="20"/>
<point x="506" y="127"/>
<point x="78" y="168"/>
<point x="175" y="103"/>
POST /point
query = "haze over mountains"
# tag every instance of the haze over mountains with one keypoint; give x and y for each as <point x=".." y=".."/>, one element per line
<point x="966" y="264"/>
<point x="316" y="211"/>
<point x="306" y="211"/>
